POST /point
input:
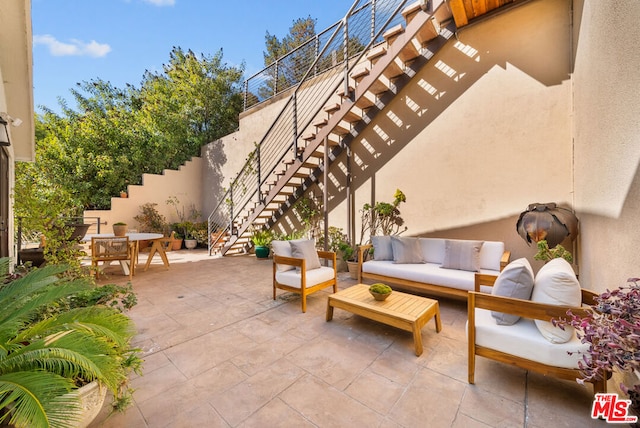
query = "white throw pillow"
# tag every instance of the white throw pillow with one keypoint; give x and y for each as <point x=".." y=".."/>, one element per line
<point x="305" y="249"/>
<point x="406" y="250"/>
<point x="283" y="249"/>
<point x="515" y="281"/>
<point x="462" y="255"/>
<point x="382" y="249"/>
<point x="556" y="284"/>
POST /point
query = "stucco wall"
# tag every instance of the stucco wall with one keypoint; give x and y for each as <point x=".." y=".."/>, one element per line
<point x="607" y="140"/>
<point x="482" y="131"/>
<point x="184" y="184"/>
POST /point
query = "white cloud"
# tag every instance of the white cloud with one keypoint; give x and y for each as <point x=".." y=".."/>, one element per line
<point x="73" y="48"/>
<point x="161" y="2"/>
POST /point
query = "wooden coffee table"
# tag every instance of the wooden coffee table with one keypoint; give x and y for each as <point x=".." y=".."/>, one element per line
<point x="405" y="311"/>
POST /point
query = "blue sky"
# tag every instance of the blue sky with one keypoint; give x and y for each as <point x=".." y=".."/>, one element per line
<point x="117" y="40"/>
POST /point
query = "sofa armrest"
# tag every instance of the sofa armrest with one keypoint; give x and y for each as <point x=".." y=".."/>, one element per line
<point x="327" y="255"/>
<point x="484" y="279"/>
<point x="504" y="261"/>
<point x="291" y="261"/>
<point x="520" y="307"/>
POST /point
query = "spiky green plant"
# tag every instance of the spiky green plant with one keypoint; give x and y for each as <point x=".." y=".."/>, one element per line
<point x="42" y="358"/>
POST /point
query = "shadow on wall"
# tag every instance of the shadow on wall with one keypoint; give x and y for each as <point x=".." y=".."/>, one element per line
<point x="212" y="188"/>
<point x="519" y="38"/>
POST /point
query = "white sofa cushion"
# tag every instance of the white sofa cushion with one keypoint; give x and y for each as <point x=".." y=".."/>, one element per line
<point x="556" y="284"/>
<point x="462" y="254"/>
<point x="491" y="255"/>
<point x="406" y="250"/>
<point x="432" y="250"/>
<point x="429" y="273"/>
<point x="293" y="278"/>
<point x="382" y="249"/>
<point x="282" y="249"/>
<point x="515" y="281"/>
<point x="524" y="340"/>
<point x="305" y="249"/>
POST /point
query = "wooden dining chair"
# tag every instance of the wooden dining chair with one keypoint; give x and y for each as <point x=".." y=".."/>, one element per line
<point x="108" y="249"/>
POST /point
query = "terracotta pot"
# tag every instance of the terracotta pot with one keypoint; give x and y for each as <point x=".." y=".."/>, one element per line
<point x="353" y="269"/>
<point x="120" y="229"/>
<point x="176" y="244"/>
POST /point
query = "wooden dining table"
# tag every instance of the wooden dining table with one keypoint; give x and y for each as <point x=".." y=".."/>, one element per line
<point x="156" y="239"/>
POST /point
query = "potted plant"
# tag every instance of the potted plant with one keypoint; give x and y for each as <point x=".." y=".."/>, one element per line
<point x="348" y="255"/>
<point x="612" y="330"/>
<point x="119" y="228"/>
<point x="380" y="291"/>
<point x="545" y="253"/>
<point x="58" y="335"/>
<point x="186" y="224"/>
<point x="176" y="243"/>
<point x="261" y="239"/>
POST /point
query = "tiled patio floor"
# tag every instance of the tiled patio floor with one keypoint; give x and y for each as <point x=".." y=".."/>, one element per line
<point x="220" y="352"/>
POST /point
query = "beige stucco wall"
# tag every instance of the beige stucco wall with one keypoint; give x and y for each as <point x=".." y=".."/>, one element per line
<point x="184" y="184"/>
<point x="607" y="140"/>
<point x="472" y="148"/>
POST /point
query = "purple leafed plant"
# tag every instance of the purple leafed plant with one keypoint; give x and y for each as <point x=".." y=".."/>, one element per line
<point x="612" y="330"/>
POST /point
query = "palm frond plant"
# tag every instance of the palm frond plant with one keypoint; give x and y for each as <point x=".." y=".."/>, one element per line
<point x="46" y="354"/>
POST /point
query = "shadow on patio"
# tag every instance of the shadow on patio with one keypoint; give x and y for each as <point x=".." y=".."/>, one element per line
<point x="219" y="352"/>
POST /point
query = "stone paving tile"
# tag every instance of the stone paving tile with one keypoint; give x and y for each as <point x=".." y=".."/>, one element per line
<point x="220" y="352"/>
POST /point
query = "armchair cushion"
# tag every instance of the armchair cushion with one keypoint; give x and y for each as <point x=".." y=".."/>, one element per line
<point x="516" y="281"/>
<point x="524" y="340"/>
<point x="282" y="248"/>
<point x="292" y="278"/>
<point x="382" y="249"/>
<point x="556" y="284"/>
<point x="462" y="255"/>
<point x="406" y="250"/>
<point x="305" y="249"/>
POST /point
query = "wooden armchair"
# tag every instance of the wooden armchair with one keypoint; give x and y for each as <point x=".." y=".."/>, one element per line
<point x="301" y="280"/>
<point x="108" y="249"/>
<point x="521" y="344"/>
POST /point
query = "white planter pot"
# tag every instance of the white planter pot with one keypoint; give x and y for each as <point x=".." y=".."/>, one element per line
<point x="190" y="244"/>
<point x="92" y="397"/>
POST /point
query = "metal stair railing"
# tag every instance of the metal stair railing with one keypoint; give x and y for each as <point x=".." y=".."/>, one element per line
<point x="365" y="21"/>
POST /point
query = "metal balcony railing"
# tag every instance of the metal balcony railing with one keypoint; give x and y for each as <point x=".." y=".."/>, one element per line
<point x="315" y="70"/>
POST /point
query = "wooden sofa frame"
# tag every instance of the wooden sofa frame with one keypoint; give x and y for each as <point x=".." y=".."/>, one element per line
<point x="415" y="286"/>
<point x="304" y="291"/>
<point x="525" y="309"/>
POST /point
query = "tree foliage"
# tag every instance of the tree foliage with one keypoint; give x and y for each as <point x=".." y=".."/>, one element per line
<point x="291" y="68"/>
<point x="114" y="135"/>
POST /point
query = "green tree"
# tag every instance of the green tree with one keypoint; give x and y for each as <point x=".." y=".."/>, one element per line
<point x="115" y="135"/>
<point x="290" y="68"/>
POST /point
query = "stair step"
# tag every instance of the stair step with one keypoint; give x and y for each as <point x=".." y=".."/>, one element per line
<point x="308" y="136"/>
<point x="316" y="153"/>
<point x="342" y="94"/>
<point x="378" y="87"/>
<point x="409" y="52"/>
<point x="377" y="52"/>
<point x="331" y="108"/>
<point x="429" y="31"/>
<point x="340" y="130"/>
<point x="393" y="70"/>
<point x="352" y="117"/>
<point x="359" y="72"/>
<point x="320" y="123"/>
<point x="393" y="32"/>
<point x="411" y="11"/>
<point x="364" y="102"/>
